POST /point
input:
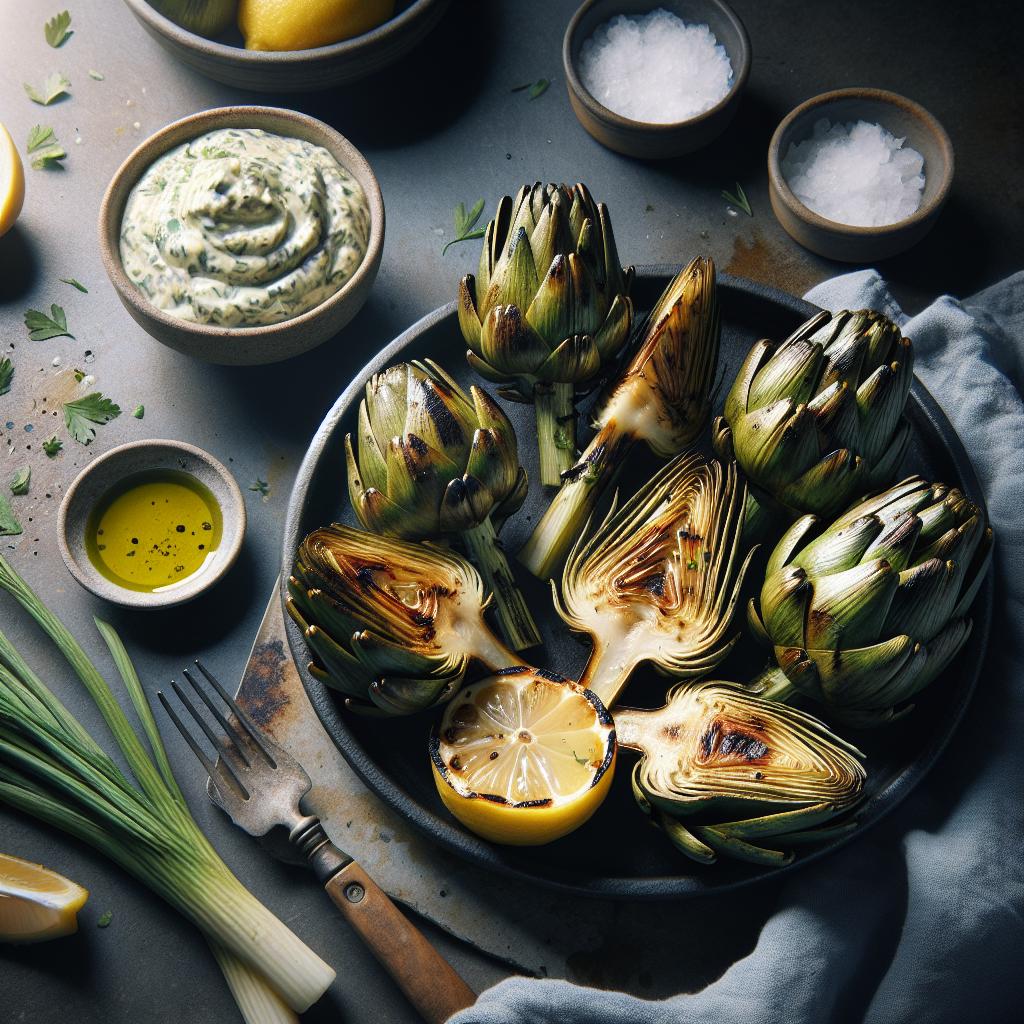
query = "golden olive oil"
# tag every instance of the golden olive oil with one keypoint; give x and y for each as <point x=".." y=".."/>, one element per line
<point x="153" y="530"/>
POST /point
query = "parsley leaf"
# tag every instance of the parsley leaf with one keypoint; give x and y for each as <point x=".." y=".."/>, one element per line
<point x="6" y="373"/>
<point x="139" y="412"/>
<point x="42" y="327"/>
<point x="52" y="447"/>
<point x="56" y="85"/>
<point x="75" y="284"/>
<point x="84" y="414"/>
<point x="105" y="918"/>
<point x="464" y="222"/>
<point x="20" y="480"/>
<point x="56" y="29"/>
<point x="9" y="525"/>
<point x="261" y="487"/>
<point x="44" y="147"/>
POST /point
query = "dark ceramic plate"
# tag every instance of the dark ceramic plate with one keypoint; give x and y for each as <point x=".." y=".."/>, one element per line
<point x="616" y="854"/>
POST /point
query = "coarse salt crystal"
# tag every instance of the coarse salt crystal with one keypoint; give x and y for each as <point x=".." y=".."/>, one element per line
<point x="655" y="67"/>
<point x="856" y="173"/>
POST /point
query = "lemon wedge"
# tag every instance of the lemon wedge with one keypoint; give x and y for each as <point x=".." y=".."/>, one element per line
<point x="524" y="756"/>
<point x="35" y="903"/>
<point x="12" y="182"/>
<point x="304" y="24"/>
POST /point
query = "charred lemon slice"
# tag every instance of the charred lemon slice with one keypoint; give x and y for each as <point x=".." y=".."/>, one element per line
<point x="36" y="903"/>
<point x="524" y="756"/>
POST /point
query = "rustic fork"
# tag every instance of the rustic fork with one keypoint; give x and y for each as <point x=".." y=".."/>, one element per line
<point x="259" y="786"/>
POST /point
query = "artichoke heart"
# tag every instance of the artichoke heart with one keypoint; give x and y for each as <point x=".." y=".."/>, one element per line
<point x="549" y="308"/>
<point x="662" y="398"/>
<point x="818" y="420"/>
<point x="659" y="580"/>
<point x="391" y="624"/>
<point x="434" y="461"/>
<point x="864" y="613"/>
<point x="749" y="777"/>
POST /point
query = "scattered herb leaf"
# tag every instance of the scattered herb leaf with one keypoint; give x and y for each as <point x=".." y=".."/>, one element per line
<point x="52" y="447"/>
<point x="56" y="85"/>
<point x="6" y="373"/>
<point x="261" y="487"/>
<point x="96" y="76"/>
<point x="536" y="88"/>
<point x="9" y="525"/>
<point x="56" y="29"/>
<point x="648" y="208"/>
<point x="84" y="414"/>
<point x="464" y="224"/>
<point x="79" y="375"/>
<point x="139" y="411"/>
<point x="42" y="327"/>
<point x="105" y="918"/>
<point x="20" y="480"/>
<point x="578" y="759"/>
<point x="75" y="284"/>
<point x="44" y="147"/>
<point x="739" y="200"/>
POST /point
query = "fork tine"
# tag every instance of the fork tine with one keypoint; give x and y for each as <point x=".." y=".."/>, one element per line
<point x="225" y="749"/>
<point x="232" y="732"/>
<point x="254" y="731"/>
<point x="190" y="740"/>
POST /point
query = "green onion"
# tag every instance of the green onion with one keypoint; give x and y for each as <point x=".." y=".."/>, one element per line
<point x="53" y="769"/>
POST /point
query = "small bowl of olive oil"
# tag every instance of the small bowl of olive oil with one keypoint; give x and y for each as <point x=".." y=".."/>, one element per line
<point x="152" y="524"/>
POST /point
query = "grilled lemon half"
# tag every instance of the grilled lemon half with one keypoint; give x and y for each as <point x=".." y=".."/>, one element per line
<point x="523" y="757"/>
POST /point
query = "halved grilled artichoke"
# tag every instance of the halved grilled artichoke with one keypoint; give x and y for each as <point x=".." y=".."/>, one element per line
<point x="391" y="624"/>
<point x="751" y="778"/>
<point x="659" y="580"/>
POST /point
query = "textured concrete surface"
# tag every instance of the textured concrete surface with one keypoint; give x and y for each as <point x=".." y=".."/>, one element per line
<point x="440" y="128"/>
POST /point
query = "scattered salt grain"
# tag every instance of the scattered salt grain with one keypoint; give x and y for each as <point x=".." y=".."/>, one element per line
<point x="857" y="174"/>
<point x="655" y="67"/>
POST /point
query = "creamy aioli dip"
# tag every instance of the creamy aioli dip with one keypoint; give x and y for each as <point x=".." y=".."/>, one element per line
<point x="241" y="227"/>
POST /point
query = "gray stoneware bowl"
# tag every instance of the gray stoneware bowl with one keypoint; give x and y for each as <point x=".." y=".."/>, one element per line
<point x="898" y="115"/>
<point x="101" y="475"/>
<point x="295" y="70"/>
<point x="640" y="138"/>
<point x="242" y="346"/>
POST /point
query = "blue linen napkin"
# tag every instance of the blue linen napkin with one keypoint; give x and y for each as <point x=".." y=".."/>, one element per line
<point x="922" y="920"/>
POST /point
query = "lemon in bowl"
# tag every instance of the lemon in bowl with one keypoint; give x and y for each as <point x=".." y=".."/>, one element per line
<point x="12" y="182"/>
<point x="523" y="757"/>
<point x="306" y="24"/>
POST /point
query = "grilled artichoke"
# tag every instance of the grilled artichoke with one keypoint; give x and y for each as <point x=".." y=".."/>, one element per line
<point x="865" y="612"/>
<point x="747" y="775"/>
<point x="818" y="420"/>
<point x="662" y="399"/>
<point x="548" y="309"/>
<point x="390" y="622"/>
<point x="659" y="580"/>
<point x="434" y="461"/>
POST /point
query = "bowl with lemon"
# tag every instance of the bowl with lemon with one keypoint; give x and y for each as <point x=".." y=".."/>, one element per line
<point x="287" y="45"/>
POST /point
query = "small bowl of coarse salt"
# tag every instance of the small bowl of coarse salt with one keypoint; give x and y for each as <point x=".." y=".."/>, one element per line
<point x="859" y="174"/>
<point x="655" y="79"/>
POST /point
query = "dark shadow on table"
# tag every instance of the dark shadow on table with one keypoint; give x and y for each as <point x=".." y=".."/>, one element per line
<point x="19" y="265"/>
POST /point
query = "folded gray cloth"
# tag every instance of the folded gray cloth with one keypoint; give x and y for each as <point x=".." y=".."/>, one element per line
<point x="922" y="920"/>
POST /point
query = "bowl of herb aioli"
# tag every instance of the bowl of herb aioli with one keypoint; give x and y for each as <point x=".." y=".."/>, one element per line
<point x="243" y="235"/>
<point x="151" y="524"/>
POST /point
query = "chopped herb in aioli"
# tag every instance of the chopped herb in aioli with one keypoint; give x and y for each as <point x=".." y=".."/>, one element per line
<point x="242" y="227"/>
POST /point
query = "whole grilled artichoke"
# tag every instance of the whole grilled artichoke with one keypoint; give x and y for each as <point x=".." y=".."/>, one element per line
<point x="548" y="309"/>
<point x="434" y="461"/>
<point x="865" y="612"/>
<point x="390" y="623"/>
<point x="818" y="420"/>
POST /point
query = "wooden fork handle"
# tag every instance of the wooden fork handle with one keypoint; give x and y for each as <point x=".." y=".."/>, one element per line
<point x="427" y="979"/>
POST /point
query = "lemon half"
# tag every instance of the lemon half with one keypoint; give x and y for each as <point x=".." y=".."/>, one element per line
<point x="524" y="756"/>
<point x="304" y="24"/>
<point x="12" y="182"/>
<point x="35" y="903"/>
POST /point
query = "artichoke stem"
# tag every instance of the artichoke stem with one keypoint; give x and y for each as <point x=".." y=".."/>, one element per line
<point x="514" y="618"/>
<point x="631" y="725"/>
<point x="573" y="505"/>
<point x="608" y="671"/>
<point x="556" y="430"/>
<point x="772" y="684"/>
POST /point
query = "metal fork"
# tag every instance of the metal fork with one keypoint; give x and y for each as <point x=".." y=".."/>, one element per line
<point x="260" y="786"/>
